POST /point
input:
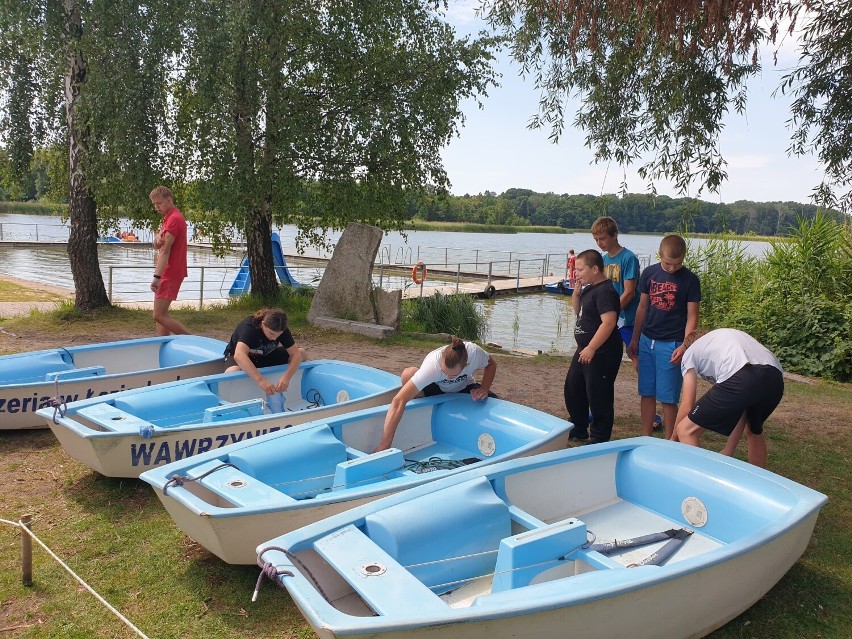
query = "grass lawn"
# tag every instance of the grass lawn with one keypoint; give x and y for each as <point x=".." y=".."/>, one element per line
<point x="117" y="536"/>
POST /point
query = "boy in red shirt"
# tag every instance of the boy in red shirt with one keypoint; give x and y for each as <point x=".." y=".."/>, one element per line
<point x="170" y="265"/>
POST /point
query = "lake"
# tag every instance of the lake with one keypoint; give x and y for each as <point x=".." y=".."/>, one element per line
<point x="536" y="321"/>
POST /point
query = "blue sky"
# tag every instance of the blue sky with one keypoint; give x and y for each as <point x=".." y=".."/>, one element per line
<point x="496" y="151"/>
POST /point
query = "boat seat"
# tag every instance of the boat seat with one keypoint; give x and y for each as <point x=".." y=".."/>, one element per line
<point x="32" y="367"/>
<point x="113" y="419"/>
<point x="458" y="543"/>
<point x="300" y="463"/>
<point x="75" y="373"/>
<point x="367" y="469"/>
<point x="384" y="585"/>
<point x="534" y="548"/>
<point x="233" y="410"/>
<point x="238" y="488"/>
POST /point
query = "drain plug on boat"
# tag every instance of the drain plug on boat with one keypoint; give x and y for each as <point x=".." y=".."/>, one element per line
<point x="486" y="444"/>
<point x="694" y="511"/>
<point x="238" y="483"/>
<point x="342" y="396"/>
<point x="371" y="570"/>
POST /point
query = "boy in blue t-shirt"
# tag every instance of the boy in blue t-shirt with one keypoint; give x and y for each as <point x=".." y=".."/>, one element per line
<point x="667" y="312"/>
<point x="621" y="267"/>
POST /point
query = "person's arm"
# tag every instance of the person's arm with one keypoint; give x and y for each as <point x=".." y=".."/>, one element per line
<point x="691" y="325"/>
<point x="687" y="394"/>
<point x="488" y="374"/>
<point x="687" y="399"/>
<point x="633" y="347"/>
<point x="575" y="298"/>
<point x="397" y="408"/>
<point x="241" y="357"/>
<point x="162" y="259"/>
<point x="629" y="293"/>
<point x="608" y="322"/>
<point x="295" y="354"/>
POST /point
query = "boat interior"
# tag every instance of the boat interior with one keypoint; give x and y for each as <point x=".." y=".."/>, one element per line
<point x="232" y="397"/>
<point x="523" y="534"/>
<point x="320" y="460"/>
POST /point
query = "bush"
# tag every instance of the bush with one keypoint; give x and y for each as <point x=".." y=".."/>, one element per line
<point x="454" y="314"/>
<point x="797" y="300"/>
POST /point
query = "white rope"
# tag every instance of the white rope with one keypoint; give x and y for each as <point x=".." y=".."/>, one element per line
<point x="109" y="607"/>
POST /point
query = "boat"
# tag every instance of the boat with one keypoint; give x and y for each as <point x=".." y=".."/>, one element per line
<point x="124" y="434"/>
<point x="232" y="499"/>
<point x="562" y="287"/>
<point x="38" y="379"/>
<point x="639" y="538"/>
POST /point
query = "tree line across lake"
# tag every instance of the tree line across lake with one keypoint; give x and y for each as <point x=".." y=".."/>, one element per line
<point x="635" y="212"/>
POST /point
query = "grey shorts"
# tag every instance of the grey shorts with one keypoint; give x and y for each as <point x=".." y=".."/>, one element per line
<point x="755" y="390"/>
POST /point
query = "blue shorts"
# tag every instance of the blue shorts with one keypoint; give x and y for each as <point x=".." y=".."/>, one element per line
<point x="626" y="333"/>
<point x="658" y="377"/>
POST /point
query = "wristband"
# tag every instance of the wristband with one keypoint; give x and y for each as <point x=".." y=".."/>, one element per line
<point x="156" y="277"/>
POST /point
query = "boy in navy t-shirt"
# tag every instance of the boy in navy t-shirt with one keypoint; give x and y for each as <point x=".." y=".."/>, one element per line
<point x="668" y="311"/>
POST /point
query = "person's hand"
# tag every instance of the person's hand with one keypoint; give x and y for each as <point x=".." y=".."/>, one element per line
<point x="266" y="386"/>
<point x="282" y="385"/>
<point x="677" y="354"/>
<point x="479" y="393"/>
<point x="587" y="355"/>
<point x="633" y="351"/>
<point x="155" y="284"/>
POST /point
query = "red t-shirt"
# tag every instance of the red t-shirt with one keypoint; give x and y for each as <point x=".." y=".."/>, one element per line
<point x="175" y="224"/>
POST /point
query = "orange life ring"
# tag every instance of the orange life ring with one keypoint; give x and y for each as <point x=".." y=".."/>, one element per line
<point x="414" y="273"/>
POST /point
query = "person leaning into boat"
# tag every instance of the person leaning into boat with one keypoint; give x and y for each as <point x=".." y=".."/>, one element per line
<point x="264" y="340"/>
<point x="748" y="384"/>
<point x="590" y="382"/>
<point x="448" y="369"/>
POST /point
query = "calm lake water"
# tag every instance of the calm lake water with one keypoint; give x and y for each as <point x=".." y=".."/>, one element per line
<point x="536" y="321"/>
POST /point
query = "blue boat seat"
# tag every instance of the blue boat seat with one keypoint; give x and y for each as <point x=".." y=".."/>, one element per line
<point x="75" y="373"/>
<point x="169" y="404"/>
<point x="469" y="521"/>
<point x="535" y="548"/>
<point x="113" y="419"/>
<point x="299" y="462"/>
<point x="367" y="469"/>
<point x="238" y="488"/>
<point x="32" y="367"/>
<point x="233" y="410"/>
<point x="384" y="585"/>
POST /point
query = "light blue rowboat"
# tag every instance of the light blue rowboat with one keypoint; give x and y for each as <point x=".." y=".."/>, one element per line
<point x="30" y="381"/>
<point x="526" y="549"/>
<point x="232" y="499"/>
<point x="124" y="434"/>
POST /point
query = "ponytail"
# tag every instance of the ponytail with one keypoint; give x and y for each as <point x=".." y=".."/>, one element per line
<point x="273" y="318"/>
<point x="455" y="355"/>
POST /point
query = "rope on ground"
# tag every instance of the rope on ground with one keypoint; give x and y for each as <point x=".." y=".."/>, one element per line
<point x="108" y="606"/>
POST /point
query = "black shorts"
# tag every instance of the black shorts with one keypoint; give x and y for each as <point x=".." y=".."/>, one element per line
<point x="755" y="390"/>
<point x="276" y="357"/>
<point x="433" y="389"/>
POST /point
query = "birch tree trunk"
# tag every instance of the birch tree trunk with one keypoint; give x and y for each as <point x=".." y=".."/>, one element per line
<point x="89" y="290"/>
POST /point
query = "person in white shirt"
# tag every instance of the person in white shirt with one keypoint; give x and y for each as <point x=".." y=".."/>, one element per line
<point x="748" y="385"/>
<point x="448" y="369"/>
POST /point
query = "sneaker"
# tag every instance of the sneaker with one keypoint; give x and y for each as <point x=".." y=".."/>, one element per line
<point x="578" y="436"/>
<point x="658" y="423"/>
<point x="591" y="441"/>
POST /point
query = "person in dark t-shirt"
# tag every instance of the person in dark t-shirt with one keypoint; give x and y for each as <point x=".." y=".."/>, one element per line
<point x="590" y="382"/>
<point x="264" y="340"/>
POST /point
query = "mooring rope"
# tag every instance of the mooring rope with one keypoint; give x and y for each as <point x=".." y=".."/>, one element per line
<point x="58" y="401"/>
<point x="79" y="579"/>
